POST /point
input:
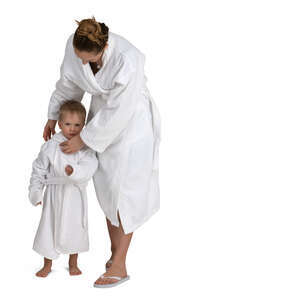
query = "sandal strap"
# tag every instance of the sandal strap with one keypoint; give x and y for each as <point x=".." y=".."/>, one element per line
<point x="111" y="277"/>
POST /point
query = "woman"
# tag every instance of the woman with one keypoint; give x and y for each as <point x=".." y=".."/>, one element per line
<point x="123" y="127"/>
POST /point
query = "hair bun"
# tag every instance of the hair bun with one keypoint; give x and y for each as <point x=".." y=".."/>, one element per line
<point x="90" y="28"/>
<point x="93" y="31"/>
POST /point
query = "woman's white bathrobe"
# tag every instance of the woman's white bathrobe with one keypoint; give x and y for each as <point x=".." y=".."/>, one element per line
<point x="123" y="126"/>
<point x="63" y="226"/>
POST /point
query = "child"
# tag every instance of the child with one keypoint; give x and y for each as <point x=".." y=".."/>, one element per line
<point x="63" y="224"/>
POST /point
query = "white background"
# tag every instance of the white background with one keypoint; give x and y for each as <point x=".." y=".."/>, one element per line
<point x="225" y="76"/>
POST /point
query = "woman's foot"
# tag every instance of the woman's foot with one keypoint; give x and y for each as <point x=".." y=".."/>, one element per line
<point x="108" y="264"/>
<point x="114" y="270"/>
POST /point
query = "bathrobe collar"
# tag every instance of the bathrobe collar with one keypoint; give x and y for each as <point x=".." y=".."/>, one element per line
<point x="59" y="137"/>
<point x="105" y="58"/>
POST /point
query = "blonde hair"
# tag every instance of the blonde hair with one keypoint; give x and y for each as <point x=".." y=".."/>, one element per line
<point x="72" y="106"/>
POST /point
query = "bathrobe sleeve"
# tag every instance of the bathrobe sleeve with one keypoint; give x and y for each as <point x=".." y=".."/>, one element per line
<point x="120" y="106"/>
<point x="66" y="89"/>
<point x="84" y="170"/>
<point x="40" y="168"/>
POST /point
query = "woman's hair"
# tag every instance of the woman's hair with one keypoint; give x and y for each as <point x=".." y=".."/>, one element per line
<point x="90" y="36"/>
<point x="72" y="106"/>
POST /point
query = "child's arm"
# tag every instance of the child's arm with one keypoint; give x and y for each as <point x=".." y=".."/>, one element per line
<point x="85" y="169"/>
<point x="40" y="168"/>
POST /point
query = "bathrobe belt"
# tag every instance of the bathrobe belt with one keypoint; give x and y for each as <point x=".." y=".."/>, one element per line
<point x="54" y="180"/>
<point x="156" y="127"/>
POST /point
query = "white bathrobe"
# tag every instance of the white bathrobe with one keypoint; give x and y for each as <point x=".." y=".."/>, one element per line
<point x="123" y="127"/>
<point x="63" y="226"/>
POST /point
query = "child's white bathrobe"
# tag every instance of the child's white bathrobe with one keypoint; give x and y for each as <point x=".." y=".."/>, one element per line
<point x="123" y="127"/>
<point x="63" y="226"/>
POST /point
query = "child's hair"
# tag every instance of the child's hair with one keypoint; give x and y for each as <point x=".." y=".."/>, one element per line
<point x="72" y="106"/>
<point x="90" y="36"/>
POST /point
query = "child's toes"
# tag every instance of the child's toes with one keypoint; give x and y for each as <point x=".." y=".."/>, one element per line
<point x="75" y="271"/>
<point x="43" y="273"/>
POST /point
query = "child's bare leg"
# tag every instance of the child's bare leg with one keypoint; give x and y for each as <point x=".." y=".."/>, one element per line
<point x="113" y="234"/>
<point x="46" y="268"/>
<point x="73" y="268"/>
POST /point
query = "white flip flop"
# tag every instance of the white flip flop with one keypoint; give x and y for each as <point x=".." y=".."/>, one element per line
<point x="108" y="285"/>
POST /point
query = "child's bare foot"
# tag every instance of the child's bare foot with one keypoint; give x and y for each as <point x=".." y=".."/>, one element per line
<point x="46" y="269"/>
<point x="43" y="272"/>
<point x="73" y="268"/>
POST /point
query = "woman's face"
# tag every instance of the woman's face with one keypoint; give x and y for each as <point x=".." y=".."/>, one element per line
<point x="87" y="57"/>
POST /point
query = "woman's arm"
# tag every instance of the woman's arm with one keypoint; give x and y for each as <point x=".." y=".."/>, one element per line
<point x="65" y="89"/>
<point x="111" y="120"/>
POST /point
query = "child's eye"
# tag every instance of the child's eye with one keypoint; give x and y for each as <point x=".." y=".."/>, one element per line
<point x="67" y="124"/>
<point x="77" y="125"/>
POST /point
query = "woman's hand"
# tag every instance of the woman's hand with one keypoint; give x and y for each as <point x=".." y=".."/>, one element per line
<point x="48" y="129"/>
<point x="72" y="145"/>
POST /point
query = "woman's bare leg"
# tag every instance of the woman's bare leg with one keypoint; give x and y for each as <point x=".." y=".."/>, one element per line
<point x="46" y="268"/>
<point x="121" y="242"/>
<point x="113" y="235"/>
<point x="73" y="268"/>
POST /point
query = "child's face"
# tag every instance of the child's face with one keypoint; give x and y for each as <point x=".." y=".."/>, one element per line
<point x="71" y="124"/>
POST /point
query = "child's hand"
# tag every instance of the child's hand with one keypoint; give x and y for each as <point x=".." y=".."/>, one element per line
<point x="69" y="170"/>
